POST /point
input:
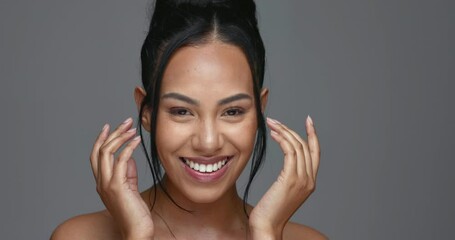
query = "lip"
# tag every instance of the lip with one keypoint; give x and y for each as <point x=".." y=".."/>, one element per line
<point x="207" y="160"/>
<point x="206" y="177"/>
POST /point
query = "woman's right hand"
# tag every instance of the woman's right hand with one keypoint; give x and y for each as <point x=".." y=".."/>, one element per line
<point x="116" y="181"/>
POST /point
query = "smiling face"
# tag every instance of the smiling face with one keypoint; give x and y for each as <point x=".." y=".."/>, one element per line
<point x="206" y="123"/>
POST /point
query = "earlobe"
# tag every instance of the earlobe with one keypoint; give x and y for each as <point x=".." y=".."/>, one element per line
<point x="264" y="98"/>
<point x="139" y="95"/>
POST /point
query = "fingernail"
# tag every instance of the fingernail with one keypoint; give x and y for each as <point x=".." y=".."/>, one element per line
<point x="131" y="130"/>
<point x="273" y="132"/>
<point x="272" y="120"/>
<point x="104" y="127"/>
<point x="137" y="138"/>
<point x="310" y="120"/>
<point x="127" y="120"/>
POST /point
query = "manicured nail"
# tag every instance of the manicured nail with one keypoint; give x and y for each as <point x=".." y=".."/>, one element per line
<point x="127" y="120"/>
<point x="310" y="120"/>
<point x="131" y="130"/>
<point x="273" y="120"/>
<point x="137" y="138"/>
<point x="104" y="127"/>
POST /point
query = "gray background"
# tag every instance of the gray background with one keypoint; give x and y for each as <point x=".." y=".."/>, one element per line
<point x="376" y="76"/>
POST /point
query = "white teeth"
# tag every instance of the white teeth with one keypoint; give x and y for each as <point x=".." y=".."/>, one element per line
<point x="209" y="168"/>
<point x="205" y="167"/>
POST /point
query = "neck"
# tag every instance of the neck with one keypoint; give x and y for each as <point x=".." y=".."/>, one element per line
<point x="225" y="214"/>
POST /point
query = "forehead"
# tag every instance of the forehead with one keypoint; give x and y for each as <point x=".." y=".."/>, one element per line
<point x="213" y="67"/>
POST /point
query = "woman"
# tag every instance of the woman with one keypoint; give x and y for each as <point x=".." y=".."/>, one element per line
<point x="202" y="102"/>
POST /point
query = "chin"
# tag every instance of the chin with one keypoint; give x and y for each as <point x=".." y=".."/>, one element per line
<point x="204" y="196"/>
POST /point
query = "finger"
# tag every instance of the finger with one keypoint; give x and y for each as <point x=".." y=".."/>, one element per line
<point x="290" y="163"/>
<point x="94" y="155"/>
<point x="126" y="125"/>
<point x="119" y="130"/>
<point x="307" y="161"/>
<point x="296" y="145"/>
<point x="127" y="151"/>
<point x="107" y="155"/>
<point x="314" y="146"/>
<point x="122" y="171"/>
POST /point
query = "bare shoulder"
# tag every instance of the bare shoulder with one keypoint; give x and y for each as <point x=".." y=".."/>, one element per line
<point x="299" y="231"/>
<point x="97" y="225"/>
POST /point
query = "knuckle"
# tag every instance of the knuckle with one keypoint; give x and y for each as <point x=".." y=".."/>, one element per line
<point x="105" y="150"/>
<point x="291" y="152"/>
<point x="126" y="152"/>
<point x="298" y="145"/>
<point x="311" y="186"/>
<point x="305" y="185"/>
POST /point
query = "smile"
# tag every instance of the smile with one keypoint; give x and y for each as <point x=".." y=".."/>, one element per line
<point x="203" y="168"/>
<point x="206" y="169"/>
<point x="211" y="165"/>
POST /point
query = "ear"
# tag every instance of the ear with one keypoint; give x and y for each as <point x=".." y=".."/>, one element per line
<point x="139" y="95"/>
<point x="264" y="98"/>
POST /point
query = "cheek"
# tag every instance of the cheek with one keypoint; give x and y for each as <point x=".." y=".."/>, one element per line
<point x="170" y="136"/>
<point x="243" y="135"/>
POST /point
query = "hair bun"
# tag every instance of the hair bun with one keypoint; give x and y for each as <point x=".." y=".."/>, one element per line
<point x="238" y="5"/>
<point x="201" y="3"/>
<point x="244" y="8"/>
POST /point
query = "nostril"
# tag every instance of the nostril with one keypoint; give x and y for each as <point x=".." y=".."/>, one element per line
<point x="208" y="143"/>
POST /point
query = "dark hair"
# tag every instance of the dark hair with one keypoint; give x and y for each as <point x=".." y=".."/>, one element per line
<point x="179" y="23"/>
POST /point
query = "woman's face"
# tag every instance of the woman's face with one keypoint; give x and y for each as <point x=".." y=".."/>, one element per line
<point x="206" y="123"/>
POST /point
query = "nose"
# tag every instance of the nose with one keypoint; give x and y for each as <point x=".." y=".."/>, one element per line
<point x="207" y="139"/>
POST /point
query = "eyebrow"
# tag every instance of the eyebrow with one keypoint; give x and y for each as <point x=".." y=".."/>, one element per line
<point x="224" y="101"/>
<point x="180" y="97"/>
<point x="234" y="98"/>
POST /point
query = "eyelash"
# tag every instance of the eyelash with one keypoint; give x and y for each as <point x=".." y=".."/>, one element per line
<point x="237" y="112"/>
<point x="231" y="112"/>
<point x="178" y="112"/>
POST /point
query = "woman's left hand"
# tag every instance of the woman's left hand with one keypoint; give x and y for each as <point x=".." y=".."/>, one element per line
<point x="294" y="184"/>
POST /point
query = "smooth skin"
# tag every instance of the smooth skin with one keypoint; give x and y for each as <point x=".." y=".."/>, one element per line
<point x="209" y="125"/>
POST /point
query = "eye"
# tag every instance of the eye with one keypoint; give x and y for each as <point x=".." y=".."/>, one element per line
<point x="233" y="112"/>
<point x="179" y="111"/>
